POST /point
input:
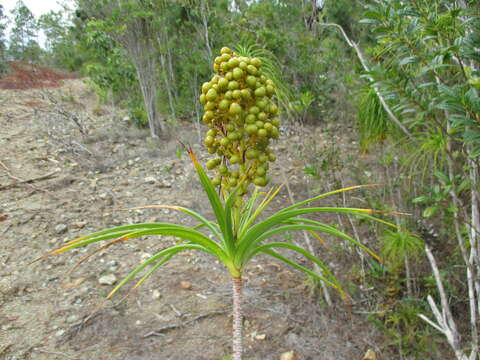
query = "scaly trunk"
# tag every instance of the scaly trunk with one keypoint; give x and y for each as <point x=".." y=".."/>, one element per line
<point x="237" y="318"/>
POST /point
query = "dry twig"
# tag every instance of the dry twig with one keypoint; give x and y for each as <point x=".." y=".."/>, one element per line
<point x="166" y="328"/>
<point x="28" y="182"/>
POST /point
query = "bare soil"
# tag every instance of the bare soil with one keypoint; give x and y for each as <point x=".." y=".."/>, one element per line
<point x="184" y="310"/>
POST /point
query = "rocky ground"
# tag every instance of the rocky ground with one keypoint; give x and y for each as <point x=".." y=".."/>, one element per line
<point x="87" y="166"/>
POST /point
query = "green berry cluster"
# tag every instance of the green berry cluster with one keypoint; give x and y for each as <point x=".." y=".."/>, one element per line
<point x="242" y="118"/>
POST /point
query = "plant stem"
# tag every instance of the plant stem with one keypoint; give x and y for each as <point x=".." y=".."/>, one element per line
<point x="237" y="318"/>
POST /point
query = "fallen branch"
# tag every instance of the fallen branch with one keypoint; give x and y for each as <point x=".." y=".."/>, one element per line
<point x="166" y="328"/>
<point x="22" y="181"/>
<point x="5" y="348"/>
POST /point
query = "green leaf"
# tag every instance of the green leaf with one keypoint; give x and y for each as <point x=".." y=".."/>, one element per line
<point x="430" y="211"/>
<point x="166" y="254"/>
<point x="180" y="231"/>
<point x="212" y="195"/>
<point x="303" y="252"/>
<point x="421" y="200"/>
<point x="303" y="269"/>
<point x="256" y="231"/>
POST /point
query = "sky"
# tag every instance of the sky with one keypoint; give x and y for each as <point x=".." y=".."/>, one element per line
<point x="37" y="7"/>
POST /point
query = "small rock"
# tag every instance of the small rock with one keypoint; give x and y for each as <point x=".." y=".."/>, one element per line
<point x="156" y="295"/>
<point x="72" y="318"/>
<point x="107" y="197"/>
<point x="187" y="285"/>
<point x="289" y="355"/>
<point x="145" y="256"/>
<point x="109" y="279"/>
<point x="61" y="228"/>
<point x="260" y="337"/>
<point x="53" y="241"/>
<point x="165" y="184"/>
<point x="370" y="355"/>
<point x="112" y="265"/>
<point x="78" y="224"/>
<point x="60" y="333"/>
<point x="150" y="180"/>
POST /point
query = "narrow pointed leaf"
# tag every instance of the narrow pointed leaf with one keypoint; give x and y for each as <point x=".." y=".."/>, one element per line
<point x="305" y="270"/>
<point x="164" y="253"/>
<point x="212" y="195"/>
<point x="303" y="252"/>
<point x="321" y="196"/>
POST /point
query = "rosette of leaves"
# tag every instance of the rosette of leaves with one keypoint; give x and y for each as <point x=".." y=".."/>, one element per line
<point x="243" y="118"/>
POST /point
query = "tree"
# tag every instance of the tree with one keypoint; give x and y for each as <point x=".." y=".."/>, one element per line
<point x="3" y="45"/>
<point x="23" y="40"/>
<point x="426" y="65"/>
<point x="130" y="23"/>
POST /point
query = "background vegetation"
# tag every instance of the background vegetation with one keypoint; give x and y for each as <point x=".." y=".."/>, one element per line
<point x="405" y="74"/>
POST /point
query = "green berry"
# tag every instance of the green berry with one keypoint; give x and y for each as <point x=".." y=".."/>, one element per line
<point x="234" y="159"/>
<point x="254" y="110"/>
<point x="251" y="81"/>
<point x="260" y="171"/>
<point x="246" y="94"/>
<point x="211" y="164"/>
<point x="233" y="63"/>
<point x="209" y="140"/>
<point x="225" y="50"/>
<point x="260" y="92"/>
<point x="205" y="87"/>
<point x="262" y="133"/>
<point x="224" y="104"/>
<point x="250" y="119"/>
<point x="237" y="73"/>
<point x="252" y="70"/>
<point x="210" y="105"/>
<point x="256" y="62"/>
<point x="235" y="109"/>
<point x="262" y="116"/>
<point x="212" y="132"/>
<point x="233" y="85"/>
<point x="222" y="83"/>
<point x="212" y="95"/>
<point x="251" y="129"/>
<point x="251" y="154"/>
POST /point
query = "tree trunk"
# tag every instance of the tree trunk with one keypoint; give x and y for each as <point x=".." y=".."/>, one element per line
<point x="147" y="85"/>
<point x="237" y="318"/>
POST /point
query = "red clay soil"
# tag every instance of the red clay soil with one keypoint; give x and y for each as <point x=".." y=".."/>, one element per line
<point x="24" y="76"/>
